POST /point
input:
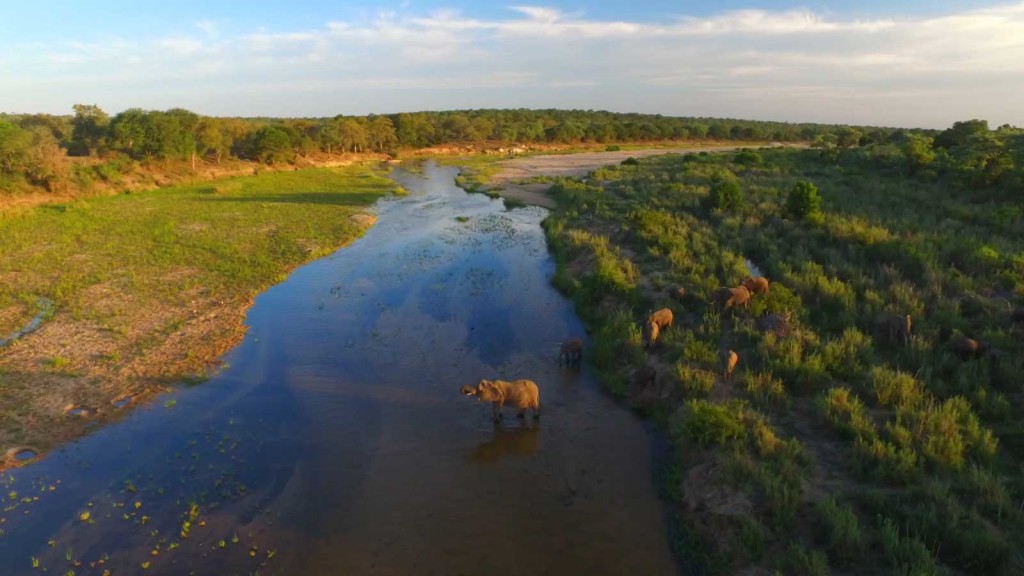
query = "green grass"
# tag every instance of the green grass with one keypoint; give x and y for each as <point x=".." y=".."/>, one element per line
<point x="880" y="417"/>
<point x="234" y="236"/>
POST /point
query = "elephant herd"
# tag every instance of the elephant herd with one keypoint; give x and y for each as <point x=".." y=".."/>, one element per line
<point x="896" y="328"/>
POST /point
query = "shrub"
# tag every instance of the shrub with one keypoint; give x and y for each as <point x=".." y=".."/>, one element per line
<point x="725" y="195"/>
<point x="803" y="562"/>
<point x="613" y="148"/>
<point x="630" y="162"/>
<point x="747" y="157"/>
<point x="904" y="553"/>
<point x="846" y="540"/>
<point x="764" y="390"/>
<point x="714" y="424"/>
<point x="803" y="200"/>
<point x="695" y="382"/>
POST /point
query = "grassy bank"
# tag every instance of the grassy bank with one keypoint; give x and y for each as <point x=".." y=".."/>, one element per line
<point x="140" y="290"/>
<point x="835" y="448"/>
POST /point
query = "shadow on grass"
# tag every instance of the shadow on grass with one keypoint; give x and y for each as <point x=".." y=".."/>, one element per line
<point x="326" y="198"/>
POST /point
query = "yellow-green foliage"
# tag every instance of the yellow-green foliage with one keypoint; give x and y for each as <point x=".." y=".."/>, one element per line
<point x="708" y="423"/>
<point x="695" y="382"/>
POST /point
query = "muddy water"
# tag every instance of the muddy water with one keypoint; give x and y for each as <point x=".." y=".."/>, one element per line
<point x="336" y="441"/>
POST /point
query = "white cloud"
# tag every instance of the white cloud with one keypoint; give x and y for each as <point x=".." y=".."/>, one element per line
<point x="795" y="65"/>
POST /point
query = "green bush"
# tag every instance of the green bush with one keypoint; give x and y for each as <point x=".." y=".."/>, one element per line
<point x="724" y="195"/>
<point x="846" y="540"/>
<point x="714" y="424"/>
<point x="803" y="200"/>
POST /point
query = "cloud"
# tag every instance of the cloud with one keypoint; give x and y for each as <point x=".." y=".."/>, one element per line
<point x="792" y="64"/>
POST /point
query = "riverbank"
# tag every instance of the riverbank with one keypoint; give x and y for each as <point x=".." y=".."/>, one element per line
<point x="526" y="179"/>
<point x="836" y="445"/>
<point x="150" y="289"/>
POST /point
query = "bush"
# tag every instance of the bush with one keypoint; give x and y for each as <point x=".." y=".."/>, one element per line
<point x="714" y="424"/>
<point x="803" y="200"/>
<point x="906" y="554"/>
<point x="845" y="538"/>
<point x="747" y="157"/>
<point x="725" y="195"/>
<point x="695" y="383"/>
<point x="630" y="162"/>
<point x="613" y="148"/>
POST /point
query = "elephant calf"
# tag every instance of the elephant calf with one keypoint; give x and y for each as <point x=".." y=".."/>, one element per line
<point x="571" y="352"/>
<point x="729" y="361"/>
<point x="731" y="297"/>
<point x="756" y="284"/>
<point x="521" y="394"/>
<point x="894" y="326"/>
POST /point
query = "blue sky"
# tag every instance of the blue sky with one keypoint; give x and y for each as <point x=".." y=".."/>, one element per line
<point x="910" y="63"/>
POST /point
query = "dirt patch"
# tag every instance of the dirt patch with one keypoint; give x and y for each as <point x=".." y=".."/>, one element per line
<point x="126" y="348"/>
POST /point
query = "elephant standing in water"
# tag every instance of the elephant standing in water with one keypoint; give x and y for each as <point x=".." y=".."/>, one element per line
<point x="521" y="394"/>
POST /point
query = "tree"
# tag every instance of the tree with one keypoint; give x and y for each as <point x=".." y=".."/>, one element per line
<point x="381" y="133"/>
<point x="352" y="135"/>
<point x="329" y="134"/>
<point x="271" y="144"/>
<point x="14" y="146"/>
<point x="917" y="150"/>
<point x="127" y="131"/>
<point x="958" y="134"/>
<point x="847" y="137"/>
<point x="210" y="139"/>
<point x="803" y="202"/>
<point x="89" y="129"/>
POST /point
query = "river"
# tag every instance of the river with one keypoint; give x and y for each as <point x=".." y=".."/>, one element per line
<point x="335" y="440"/>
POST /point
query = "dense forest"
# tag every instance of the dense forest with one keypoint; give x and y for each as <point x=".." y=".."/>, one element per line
<point x="34" y="147"/>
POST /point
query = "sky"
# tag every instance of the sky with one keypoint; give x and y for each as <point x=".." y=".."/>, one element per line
<point x="912" y="63"/>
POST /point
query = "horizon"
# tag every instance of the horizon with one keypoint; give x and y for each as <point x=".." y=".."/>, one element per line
<point x="918" y="65"/>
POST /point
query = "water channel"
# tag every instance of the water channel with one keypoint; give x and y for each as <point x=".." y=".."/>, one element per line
<point x="336" y="440"/>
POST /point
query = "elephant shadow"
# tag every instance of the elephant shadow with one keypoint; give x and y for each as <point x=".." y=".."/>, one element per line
<point x="521" y="441"/>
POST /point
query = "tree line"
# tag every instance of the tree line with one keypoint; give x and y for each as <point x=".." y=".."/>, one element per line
<point x="33" y="147"/>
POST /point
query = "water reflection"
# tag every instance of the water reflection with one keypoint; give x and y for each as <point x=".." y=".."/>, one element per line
<point x="521" y="441"/>
<point x="337" y="442"/>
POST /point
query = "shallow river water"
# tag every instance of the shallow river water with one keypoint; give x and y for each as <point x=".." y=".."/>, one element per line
<point x="336" y="441"/>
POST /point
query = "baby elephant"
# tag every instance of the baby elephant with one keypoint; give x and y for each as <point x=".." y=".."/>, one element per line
<point x="894" y="326"/>
<point x="756" y="284"/>
<point x="731" y="297"/>
<point x="521" y="394"/>
<point x="650" y="333"/>
<point x="571" y="353"/>
<point x="663" y="318"/>
<point x="729" y="361"/>
<point x="677" y="293"/>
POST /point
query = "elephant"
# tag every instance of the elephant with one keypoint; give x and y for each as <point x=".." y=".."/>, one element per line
<point x="968" y="348"/>
<point x="729" y="361"/>
<point x="894" y="326"/>
<point x="571" y="352"/>
<point x="775" y="323"/>
<point x="756" y="285"/>
<point x="650" y="333"/>
<point x="677" y="293"/>
<point x="731" y="297"/>
<point x="521" y="394"/>
<point x="663" y="318"/>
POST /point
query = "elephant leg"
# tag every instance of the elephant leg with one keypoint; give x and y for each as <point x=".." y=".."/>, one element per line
<point x="521" y="414"/>
<point x="536" y="411"/>
<point x="496" y="409"/>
